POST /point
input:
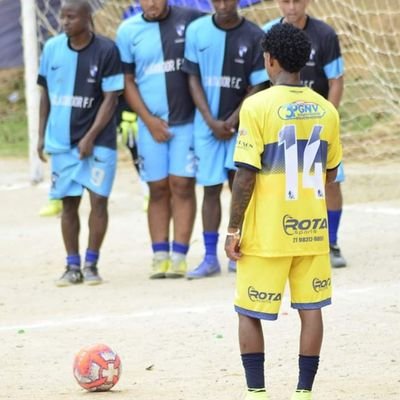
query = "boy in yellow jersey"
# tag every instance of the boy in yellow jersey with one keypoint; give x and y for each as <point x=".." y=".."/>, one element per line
<point x="287" y="149"/>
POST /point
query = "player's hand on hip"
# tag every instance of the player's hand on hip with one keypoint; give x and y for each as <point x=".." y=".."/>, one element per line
<point x="85" y="147"/>
<point x="232" y="248"/>
<point x="221" y="129"/>
<point x="159" y="129"/>
<point x="40" y="150"/>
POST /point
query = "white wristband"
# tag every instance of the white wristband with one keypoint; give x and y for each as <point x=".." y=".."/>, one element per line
<point x="236" y="234"/>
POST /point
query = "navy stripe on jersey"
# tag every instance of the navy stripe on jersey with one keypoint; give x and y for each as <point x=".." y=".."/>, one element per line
<point x="273" y="156"/>
<point x="228" y="61"/>
<point x="75" y="81"/>
<point x="153" y="52"/>
<point x="325" y="61"/>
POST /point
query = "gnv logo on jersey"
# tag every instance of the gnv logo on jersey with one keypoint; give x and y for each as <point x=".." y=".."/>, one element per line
<point x="292" y="226"/>
<point x="264" y="297"/>
<point x="321" y="284"/>
<point x="300" y="110"/>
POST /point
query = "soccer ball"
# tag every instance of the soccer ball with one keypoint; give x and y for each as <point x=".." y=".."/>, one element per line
<point x="97" y="368"/>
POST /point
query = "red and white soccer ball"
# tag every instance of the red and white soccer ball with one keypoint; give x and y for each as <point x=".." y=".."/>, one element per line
<point x="97" y="368"/>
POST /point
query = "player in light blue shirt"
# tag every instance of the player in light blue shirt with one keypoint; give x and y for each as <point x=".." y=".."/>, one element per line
<point x="224" y="61"/>
<point x="80" y="75"/>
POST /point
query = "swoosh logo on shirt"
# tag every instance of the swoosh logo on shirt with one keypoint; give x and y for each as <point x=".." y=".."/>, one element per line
<point x="54" y="67"/>
<point x="203" y="48"/>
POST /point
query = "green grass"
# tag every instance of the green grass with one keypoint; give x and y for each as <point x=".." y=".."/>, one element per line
<point x="13" y="135"/>
<point x="13" y="122"/>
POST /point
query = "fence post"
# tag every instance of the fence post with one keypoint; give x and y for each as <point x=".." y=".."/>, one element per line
<point x="30" y="46"/>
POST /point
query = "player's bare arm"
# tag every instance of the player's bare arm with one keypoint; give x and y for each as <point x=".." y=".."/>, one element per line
<point x="221" y="129"/>
<point x="233" y="119"/>
<point x="242" y="190"/>
<point x="44" y="110"/>
<point x="103" y="117"/>
<point x="157" y="127"/>
<point x="331" y="175"/>
<point x="336" y="87"/>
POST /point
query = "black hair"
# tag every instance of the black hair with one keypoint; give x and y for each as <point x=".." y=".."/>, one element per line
<point x="83" y="5"/>
<point x="289" y="45"/>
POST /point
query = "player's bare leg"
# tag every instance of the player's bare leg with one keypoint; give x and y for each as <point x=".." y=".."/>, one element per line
<point x="251" y="343"/>
<point x="334" y="203"/>
<point x="211" y="217"/>
<point x="310" y="346"/>
<point x="158" y="217"/>
<point x="98" y="222"/>
<point x="183" y="214"/>
<point x="70" y="228"/>
<point x="231" y="177"/>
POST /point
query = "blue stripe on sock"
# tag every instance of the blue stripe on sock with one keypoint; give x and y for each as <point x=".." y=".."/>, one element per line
<point x="210" y="243"/>
<point x="74" y="259"/>
<point x="160" y="246"/>
<point x="91" y="256"/>
<point x="180" y="248"/>
<point x="333" y="225"/>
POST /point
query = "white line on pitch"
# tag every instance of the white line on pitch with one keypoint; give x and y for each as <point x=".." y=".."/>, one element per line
<point x="102" y="318"/>
<point x="162" y="312"/>
<point x="373" y="210"/>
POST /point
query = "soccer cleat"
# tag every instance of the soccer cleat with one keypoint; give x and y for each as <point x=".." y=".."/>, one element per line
<point x="177" y="269"/>
<point x="91" y="275"/>
<point x="337" y="260"/>
<point x="51" y="209"/>
<point x="71" y="276"/>
<point x="159" y="267"/>
<point x="231" y="266"/>
<point x="301" y="395"/>
<point x="208" y="267"/>
<point x="257" y="395"/>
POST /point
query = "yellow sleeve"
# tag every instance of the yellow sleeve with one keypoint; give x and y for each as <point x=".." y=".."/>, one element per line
<point x="249" y="144"/>
<point x="334" y="157"/>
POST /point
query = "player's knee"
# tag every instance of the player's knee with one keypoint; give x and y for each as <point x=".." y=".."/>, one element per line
<point x="159" y="191"/>
<point x="182" y="187"/>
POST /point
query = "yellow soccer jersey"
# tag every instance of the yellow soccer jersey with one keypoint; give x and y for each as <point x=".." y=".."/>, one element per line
<point x="290" y="135"/>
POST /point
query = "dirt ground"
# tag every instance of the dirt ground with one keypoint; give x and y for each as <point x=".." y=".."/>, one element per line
<point x="186" y="330"/>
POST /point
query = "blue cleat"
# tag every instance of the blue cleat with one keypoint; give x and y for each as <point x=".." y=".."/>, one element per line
<point x="208" y="267"/>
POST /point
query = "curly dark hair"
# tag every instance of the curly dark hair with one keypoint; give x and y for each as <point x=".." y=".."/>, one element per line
<point x="289" y="45"/>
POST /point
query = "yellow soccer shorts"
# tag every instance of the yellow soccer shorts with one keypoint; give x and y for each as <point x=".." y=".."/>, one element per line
<point x="261" y="281"/>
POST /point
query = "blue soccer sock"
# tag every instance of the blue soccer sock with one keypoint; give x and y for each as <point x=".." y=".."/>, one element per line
<point x="91" y="256"/>
<point x="210" y="244"/>
<point x="74" y="260"/>
<point x="253" y="364"/>
<point x="308" y="366"/>
<point x="179" y="251"/>
<point x="333" y="225"/>
<point x="161" y="250"/>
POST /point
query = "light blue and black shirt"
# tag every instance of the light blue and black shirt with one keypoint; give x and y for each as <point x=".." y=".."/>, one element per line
<point x="228" y="62"/>
<point x="153" y="52"/>
<point x="75" y="81"/>
<point x="325" y="61"/>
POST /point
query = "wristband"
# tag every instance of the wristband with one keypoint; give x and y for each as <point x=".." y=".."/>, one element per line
<point x="235" y="235"/>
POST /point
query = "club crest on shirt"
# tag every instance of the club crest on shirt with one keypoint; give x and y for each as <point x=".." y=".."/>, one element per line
<point x="242" y="50"/>
<point x="92" y="73"/>
<point x="180" y="30"/>
<point x="311" y="61"/>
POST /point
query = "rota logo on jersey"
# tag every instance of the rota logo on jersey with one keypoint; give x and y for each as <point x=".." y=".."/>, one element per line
<point x="293" y="226"/>
<point x="300" y="110"/>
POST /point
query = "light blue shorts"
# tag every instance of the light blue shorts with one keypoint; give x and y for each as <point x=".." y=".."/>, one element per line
<point x="70" y="175"/>
<point x="340" y="177"/>
<point x="214" y="157"/>
<point x="159" y="160"/>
